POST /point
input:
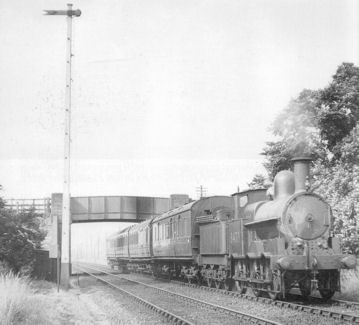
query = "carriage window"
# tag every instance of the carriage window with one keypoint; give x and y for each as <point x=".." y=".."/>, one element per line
<point x="175" y="224"/>
<point x="180" y="226"/>
<point x="252" y="235"/>
<point x="243" y="201"/>
<point x="170" y="228"/>
<point x="167" y="226"/>
<point x="187" y="222"/>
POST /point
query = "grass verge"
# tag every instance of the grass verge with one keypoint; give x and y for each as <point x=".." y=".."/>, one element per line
<point x="350" y="285"/>
<point x="18" y="303"/>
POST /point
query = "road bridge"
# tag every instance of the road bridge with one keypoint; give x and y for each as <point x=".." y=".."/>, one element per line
<point x="115" y="208"/>
<point x="106" y="209"/>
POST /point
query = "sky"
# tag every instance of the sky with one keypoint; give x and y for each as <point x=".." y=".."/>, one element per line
<point x="167" y="95"/>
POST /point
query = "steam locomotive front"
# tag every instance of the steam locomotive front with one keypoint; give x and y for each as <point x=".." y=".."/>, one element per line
<point x="301" y="214"/>
<point x="305" y="215"/>
<point x="310" y="256"/>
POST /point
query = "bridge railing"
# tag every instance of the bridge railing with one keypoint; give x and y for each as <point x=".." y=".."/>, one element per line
<point x="41" y="206"/>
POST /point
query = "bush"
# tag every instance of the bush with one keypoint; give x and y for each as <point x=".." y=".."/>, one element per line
<point x="350" y="284"/>
<point x="20" y="236"/>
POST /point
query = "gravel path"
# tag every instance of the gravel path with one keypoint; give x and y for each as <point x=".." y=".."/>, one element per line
<point x="118" y="308"/>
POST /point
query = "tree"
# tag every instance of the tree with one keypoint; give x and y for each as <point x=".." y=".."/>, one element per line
<point x="339" y="106"/>
<point x="325" y="124"/>
<point x="339" y="185"/>
<point x="259" y="181"/>
<point x="298" y="133"/>
<point x="318" y="121"/>
<point x="20" y="236"/>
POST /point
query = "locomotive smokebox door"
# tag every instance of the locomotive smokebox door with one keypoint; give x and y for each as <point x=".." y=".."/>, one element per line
<point x="307" y="216"/>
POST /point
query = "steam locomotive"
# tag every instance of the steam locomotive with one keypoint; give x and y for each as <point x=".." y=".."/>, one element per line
<point x="249" y="240"/>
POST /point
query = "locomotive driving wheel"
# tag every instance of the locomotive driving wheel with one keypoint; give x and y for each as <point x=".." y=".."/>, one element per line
<point x="326" y="293"/>
<point x="327" y="284"/>
<point x="209" y="283"/>
<point x="228" y="283"/>
<point x="241" y="287"/>
<point x="218" y="284"/>
<point x="256" y="291"/>
<point x="275" y="288"/>
<point x="305" y="288"/>
<point x="256" y="287"/>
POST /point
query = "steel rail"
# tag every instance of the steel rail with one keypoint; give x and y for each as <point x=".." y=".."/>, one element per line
<point x="282" y="304"/>
<point x="335" y="302"/>
<point x="172" y="317"/>
<point x="225" y="310"/>
<point x="346" y="303"/>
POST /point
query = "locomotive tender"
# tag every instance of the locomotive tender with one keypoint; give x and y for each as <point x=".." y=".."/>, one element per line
<point x="243" y="241"/>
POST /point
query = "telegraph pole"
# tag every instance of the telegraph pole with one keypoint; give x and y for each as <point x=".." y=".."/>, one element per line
<point x="201" y="191"/>
<point x="66" y="217"/>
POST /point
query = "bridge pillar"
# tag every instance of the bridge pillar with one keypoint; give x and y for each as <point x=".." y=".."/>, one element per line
<point x="63" y="270"/>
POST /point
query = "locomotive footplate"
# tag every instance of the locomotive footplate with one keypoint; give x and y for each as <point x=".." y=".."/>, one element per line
<point x="300" y="262"/>
<point x="258" y="281"/>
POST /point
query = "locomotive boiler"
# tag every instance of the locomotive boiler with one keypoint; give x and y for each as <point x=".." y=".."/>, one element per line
<point x="249" y="240"/>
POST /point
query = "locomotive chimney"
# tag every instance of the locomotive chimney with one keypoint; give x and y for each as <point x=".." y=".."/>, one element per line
<point x="301" y="173"/>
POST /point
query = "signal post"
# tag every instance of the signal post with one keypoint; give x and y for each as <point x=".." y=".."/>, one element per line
<point x="66" y="216"/>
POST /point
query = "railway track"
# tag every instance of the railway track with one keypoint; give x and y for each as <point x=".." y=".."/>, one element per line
<point x="308" y="308"/>
<point x="180" y="309"/>
<point x="353" y="305"/>
<point x="305" y="307"/>
<point x="316" y="309"/>
<point x="346" y="304"/>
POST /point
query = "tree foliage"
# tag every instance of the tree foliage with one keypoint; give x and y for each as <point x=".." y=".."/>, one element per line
<point x="324" y="123"/>
<point x="339" y="102"/>
<point x="317" y="122"/>
<point x="20" y="236"/>
<point x="338" y="183"/>
<point x="259" y="181"/>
